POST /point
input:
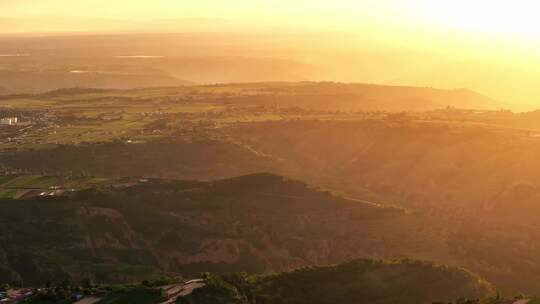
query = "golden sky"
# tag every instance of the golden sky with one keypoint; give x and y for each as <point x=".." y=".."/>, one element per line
<point x="424" y="24"/>
<point x="518" y="17"/>
<point x="504" y="25"/>
<point x="500" y="35"/>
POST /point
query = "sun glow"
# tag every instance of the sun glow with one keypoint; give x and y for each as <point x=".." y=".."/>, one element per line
<point x="517" y="18"/>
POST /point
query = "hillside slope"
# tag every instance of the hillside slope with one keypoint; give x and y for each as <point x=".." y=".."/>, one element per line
<point x="360" y="97"/>
<point x="319" y="96"/>
<point x="129" y="229"/>
<point x="481" y="182"/>
<point x="201" y="159"/>
<point x="359" y="281"/>
<point x="329" y="96"/>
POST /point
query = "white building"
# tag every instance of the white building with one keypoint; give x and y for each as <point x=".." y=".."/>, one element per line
<point x="8" y="121"/>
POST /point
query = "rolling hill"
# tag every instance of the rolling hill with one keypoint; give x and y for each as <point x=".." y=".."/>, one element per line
<point x="358" y="281"/>
<point x="364" y="97"/>
<point x="130" y="229"/>
<point x="453" y="168"/>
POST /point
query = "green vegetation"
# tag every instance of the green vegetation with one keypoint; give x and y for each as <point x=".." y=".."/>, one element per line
<point x="149" y="292"/>
<point x="124" y="230"/>
<point x="467" y="178"/>
<point x="360" y="281"/>
<point x="138" y="295"/>
<point x="176" y="158"/>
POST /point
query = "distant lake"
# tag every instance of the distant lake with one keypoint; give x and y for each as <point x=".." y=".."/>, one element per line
<point x="138" y="56"/>
<point x="14" y="55"/>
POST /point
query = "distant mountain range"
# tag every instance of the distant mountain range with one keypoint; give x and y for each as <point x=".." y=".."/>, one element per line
<point x="35" y="64"/>
<point x="331" y="96"/>
<point x="324" y="96"/>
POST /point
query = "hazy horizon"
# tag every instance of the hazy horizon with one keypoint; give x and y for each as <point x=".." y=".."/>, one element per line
<point x="492" y="47"/>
